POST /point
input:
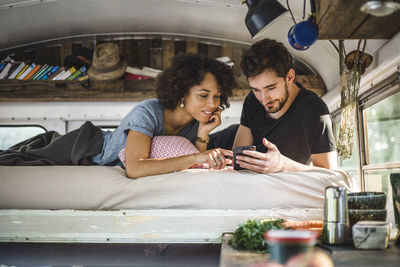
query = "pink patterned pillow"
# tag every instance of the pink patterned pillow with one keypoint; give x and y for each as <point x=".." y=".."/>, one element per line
<point x="163" y="147"/>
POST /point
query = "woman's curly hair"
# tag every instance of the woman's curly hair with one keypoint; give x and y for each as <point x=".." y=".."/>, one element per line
<point x="188" y="70"/>
<point x="266" y="54"/>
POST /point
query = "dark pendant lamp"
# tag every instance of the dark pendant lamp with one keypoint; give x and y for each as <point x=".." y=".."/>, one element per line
<point x="260" y="14"/>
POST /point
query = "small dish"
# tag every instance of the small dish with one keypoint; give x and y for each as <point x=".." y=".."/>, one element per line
<point x="366" y="200"/>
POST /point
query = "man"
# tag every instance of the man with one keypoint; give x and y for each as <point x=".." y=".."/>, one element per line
<point x="290" y="126"/>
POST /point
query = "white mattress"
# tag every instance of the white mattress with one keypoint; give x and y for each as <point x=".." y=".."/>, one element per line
<point x="107" y="188"/>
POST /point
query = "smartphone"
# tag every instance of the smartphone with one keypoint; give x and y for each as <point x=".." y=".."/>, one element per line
<point x="239" y="151"/>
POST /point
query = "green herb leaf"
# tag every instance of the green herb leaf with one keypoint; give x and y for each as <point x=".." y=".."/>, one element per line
<point x="250" y="236"/>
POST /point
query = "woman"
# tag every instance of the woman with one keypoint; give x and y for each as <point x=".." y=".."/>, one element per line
<point x="190" y="96"/>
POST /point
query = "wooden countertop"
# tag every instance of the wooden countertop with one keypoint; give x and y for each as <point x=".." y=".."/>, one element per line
<point x="341" y="256"/>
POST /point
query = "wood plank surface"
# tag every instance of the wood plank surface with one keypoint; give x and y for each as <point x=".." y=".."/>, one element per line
<point x="191" y="47"/>
<point x="179" y="47"/>
<point x="122" y="226"/>
<point x="120" y="90"/>
<point x="231" y="257"/>
<point x="214" y="51"/>
<point x="155" y="52"/>
<point x="65" y="50"/>
<point x="167" y="53"/>
<point x="343" y="19"/>
<point x="132" y="226"/>
<point x="313" y="83"/>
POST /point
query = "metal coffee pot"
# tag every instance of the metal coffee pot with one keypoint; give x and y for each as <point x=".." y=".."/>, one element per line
<point x="336" y="230"/>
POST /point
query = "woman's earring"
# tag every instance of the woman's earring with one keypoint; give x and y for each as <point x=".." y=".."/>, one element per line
<point x="182" y="105"/>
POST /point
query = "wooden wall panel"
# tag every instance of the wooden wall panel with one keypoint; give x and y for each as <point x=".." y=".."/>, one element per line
<point x="65" y="50"/>
<point x="30" y="55"/>
<point x="191" y="47"/>
<point x="156" y="57"/>
<point x="214" y="51"/>
<point x="167" y="52"/>
<point x="202" y="49"/>
<point x="179" y="47"/>
<point x="154" y="52"/>
<point x="236" y="58"/>
<point x="343" y="19"/>
<point x="227" y="51"/>
<point x="128" y="51"/>
<point x="142" y="55"/>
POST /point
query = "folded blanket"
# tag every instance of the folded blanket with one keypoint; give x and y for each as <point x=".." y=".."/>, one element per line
<point x="50" y="148"/>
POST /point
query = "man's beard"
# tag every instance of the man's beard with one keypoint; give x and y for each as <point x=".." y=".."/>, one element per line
<point x="282" y="101"/>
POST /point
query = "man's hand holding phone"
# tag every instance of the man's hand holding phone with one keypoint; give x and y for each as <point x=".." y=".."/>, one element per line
<point x="237" y="152"/>
<point x="271" y="161"/>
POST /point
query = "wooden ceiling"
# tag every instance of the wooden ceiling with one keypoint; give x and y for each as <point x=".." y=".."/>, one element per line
<point x="342" y="19"/>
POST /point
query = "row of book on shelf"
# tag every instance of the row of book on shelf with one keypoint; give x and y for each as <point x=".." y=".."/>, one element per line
<point x="24" y="71"/>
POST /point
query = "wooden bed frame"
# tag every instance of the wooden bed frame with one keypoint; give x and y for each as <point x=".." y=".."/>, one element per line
<point x="133" y="226"/>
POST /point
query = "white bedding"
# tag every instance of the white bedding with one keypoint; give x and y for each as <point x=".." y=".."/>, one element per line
<point x="105" y="188"/>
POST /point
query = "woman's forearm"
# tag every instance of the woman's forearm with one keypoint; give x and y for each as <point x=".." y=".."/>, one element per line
<point x="147" y="167"/>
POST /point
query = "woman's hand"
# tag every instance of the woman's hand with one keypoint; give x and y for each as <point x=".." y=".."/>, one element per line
<point x="213" y="122"/>
<point x="216" y="158"/>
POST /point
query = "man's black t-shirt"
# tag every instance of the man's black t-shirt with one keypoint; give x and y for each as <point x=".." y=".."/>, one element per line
<point x="304" y="129"/>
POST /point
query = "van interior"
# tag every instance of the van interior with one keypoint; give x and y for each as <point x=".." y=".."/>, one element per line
<point x="120" y="230"/>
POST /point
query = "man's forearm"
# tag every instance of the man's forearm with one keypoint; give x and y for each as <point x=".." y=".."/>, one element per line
<point x="290" y="165"/>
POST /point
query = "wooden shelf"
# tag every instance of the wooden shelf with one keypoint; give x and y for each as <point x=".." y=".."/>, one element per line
<point x="342" y="19"/>
<point x="121" y="90"/>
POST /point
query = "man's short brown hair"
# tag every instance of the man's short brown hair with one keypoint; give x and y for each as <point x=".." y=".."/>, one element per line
<point x="266" y="54"/>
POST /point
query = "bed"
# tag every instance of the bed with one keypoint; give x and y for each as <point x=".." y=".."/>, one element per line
<point x="99" y="204"/>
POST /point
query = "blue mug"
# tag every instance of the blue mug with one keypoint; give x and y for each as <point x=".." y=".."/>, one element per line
<point x="302" y="35"/>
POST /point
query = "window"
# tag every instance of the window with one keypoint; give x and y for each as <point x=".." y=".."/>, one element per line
<point x="382" y="125"/>
<point x="376" y="151"/>
<point x="11" y="135"/>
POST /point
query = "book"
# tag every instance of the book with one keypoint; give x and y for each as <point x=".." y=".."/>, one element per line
<point x="74" y="75"/>
<point x="27" y="71"/>
<point x="50" y="78"/>
<point x="83" y="78"/>
<point x="2" y="65"/>
<point x="151" y="71"/>
<point x="22" y="71"/>
<point x="17" y="70"/>
<point x="13" y="67"/>
<point x="67" y="73"/>
<point x="30" y="74"/>
<point x="77" y="73"/>
<point x="146" y="71"/>
<point x="49" y="73"/>
<point x="56" y="78"/>
<point x="5" y="71"/>
<point x="44" y="72"/>
<point x="39" y="72"/>
<point x="130" y="76"/>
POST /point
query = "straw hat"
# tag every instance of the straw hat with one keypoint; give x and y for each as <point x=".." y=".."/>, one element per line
<point x="106" y="63"/>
